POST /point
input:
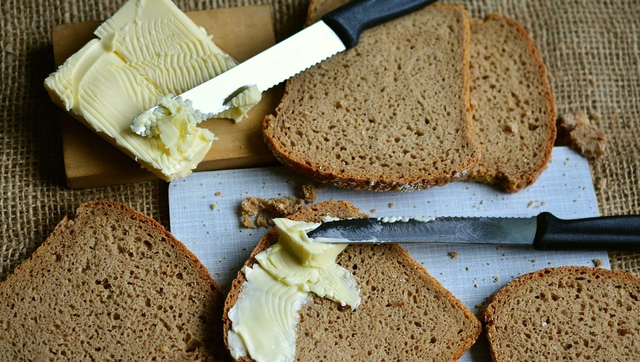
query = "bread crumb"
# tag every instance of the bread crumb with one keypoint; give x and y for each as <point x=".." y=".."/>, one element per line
<point x="511" y="127"/>
<point x="575" y="131"/>
<point x="597" y="263"/>
<point x="373" y="211"/>
<point x="496" y="278"/>
<point x="213" y="206"/>
<point x="265" y="210"/>
<point x="453" y="254"/>
<point x="391" y="205"/>
<point x="530" y="204"/>
<point x="601" y="183"/>
<point x="467" y="268"/>
<point x="308" y="193"/>
<point x="592" y="81"/>
<point x="474" y="104"/>
<point x="342" y="104"/>
<point x="218" y="193"/>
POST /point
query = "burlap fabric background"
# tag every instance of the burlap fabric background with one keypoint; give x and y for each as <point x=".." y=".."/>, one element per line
<point x="591" y="48"/>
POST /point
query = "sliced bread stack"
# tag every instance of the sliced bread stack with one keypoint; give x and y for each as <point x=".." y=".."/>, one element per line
<point x="392" y="113"/>
<point x="110" y="284"/>
<point x="566" y="314"/>
<point x="405" y="315"/>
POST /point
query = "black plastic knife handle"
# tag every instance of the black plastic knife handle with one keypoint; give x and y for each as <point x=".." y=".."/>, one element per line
<point x="598" y="233"/>
<point x="349" y="20"/>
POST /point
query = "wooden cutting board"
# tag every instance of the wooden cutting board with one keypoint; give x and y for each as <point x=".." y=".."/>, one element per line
<point x="90" y="161"/>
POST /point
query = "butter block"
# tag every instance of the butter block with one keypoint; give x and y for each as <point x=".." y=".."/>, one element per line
<point x="147" y="51"/>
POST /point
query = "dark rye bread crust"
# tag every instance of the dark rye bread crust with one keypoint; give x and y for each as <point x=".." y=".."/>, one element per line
<point x="414" y="133"/>
<point x="89" y="292"/>
<point x="515" y="122"/>
<point x="330" y="333"/>
<point x="578" y="313"/>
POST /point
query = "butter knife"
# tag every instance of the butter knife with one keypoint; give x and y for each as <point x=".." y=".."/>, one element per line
<point x="337" y="31"/>
<point x="542" y="232"/>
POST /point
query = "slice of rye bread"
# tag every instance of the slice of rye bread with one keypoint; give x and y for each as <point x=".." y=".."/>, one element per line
<point x="405" y="313"/>
<point x="513" y="110"/>
<point x="390" y="114"/>
<point x="566" y="314"/>
<point x="110" y="284"/>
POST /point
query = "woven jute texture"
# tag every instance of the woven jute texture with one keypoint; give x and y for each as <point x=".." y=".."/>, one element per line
<point x="591" y="48"/>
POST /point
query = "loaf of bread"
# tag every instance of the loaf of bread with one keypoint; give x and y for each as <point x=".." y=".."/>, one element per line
<point x="513" y="110"/>
<point x="566" y="314"/>
<point x="405" y="315"/>
<point x="390" y="114"/>
<point x="110" y="284"/>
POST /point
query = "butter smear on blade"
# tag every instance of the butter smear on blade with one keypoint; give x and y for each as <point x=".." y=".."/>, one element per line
<point x="146" y="53"/>
<point x="265" y="316"/>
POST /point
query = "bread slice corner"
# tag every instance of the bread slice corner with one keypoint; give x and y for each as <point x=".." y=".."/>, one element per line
<point x="405" y="313"/>
<point x="566" y="313"/>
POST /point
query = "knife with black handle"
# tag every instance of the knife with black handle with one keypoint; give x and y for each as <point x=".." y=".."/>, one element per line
<point x="542" y="232"/>
<point x="337" y="31"/>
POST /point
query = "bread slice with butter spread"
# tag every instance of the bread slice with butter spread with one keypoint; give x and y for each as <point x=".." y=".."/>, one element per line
<point x="110" y="284"/>
<point x="566" y="314"/>
<point x="405" y="314"/>
<point x="390" y="114"/>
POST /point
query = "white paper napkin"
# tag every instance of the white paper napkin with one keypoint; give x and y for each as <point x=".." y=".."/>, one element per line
<point x="205" y="216"/>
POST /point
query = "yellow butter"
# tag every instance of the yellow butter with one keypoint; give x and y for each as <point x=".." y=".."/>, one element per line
<point x="330" y="281"/>
<point x="145" y="52"/>
<point x="264" y="318"/>
<point x="293" y="237"/>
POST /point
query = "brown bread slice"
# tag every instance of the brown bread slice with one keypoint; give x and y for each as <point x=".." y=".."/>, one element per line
<point x="391" y="114"/>
<point x="405" y="315"/>
<point x="513" y="110"/>
<point x="110" y="284"/>
<point x="566" y="314"/>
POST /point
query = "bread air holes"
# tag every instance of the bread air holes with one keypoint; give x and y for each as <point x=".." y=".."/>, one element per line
<point x="148" y="244"/>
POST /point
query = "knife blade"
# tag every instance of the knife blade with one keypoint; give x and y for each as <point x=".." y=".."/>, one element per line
<point x="335" y="32"/>
<point x="543" y="232"/>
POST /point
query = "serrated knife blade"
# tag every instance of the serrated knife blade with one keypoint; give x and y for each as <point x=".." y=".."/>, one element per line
<point x="337" y="31"/>
<point x="459" y="230"/>
<point x="544" y="231"/>
<point x="269" y="68"/>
